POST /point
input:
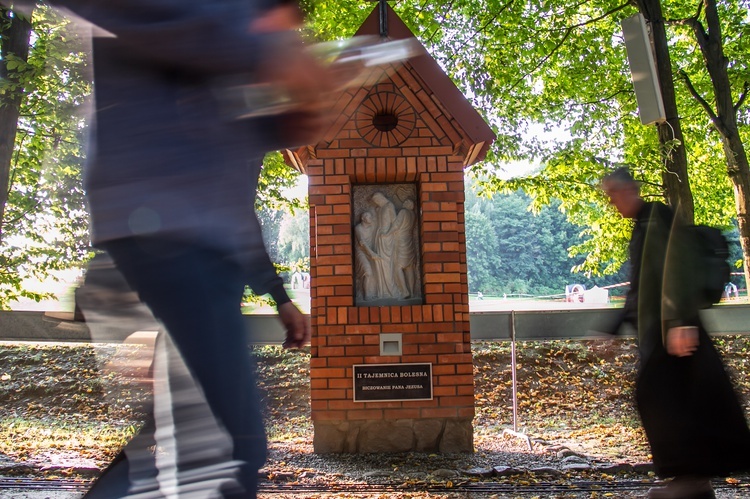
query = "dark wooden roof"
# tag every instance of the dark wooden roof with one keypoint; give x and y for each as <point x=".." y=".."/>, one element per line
<point x="477" y="130"/>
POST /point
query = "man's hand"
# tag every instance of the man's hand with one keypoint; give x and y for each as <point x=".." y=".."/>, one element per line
<point x="296" y="325"/>
<point x="682" y="341"/>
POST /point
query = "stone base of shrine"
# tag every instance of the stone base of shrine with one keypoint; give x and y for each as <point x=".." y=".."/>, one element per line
<point x="402" y="435"/>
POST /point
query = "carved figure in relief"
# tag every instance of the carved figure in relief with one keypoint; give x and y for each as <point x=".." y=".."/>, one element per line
<point x="385" y="253"/>
<point x="385" y="248"/>
<point x="364" y="256"/>
<point x="405" y="261"/>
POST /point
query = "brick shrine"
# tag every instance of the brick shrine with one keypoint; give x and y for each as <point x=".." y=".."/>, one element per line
<point x="406" y="129"/>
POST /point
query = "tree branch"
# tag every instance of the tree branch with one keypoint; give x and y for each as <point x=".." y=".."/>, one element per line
<point x="494" y="17"/>
<point x="58" y="138"/>
<point x="699" y="9"/>
<point x="568" y="31"/>
<point x="689" y="20"/>
<point x="695" y="25"/>
<point x="23" y="214"/>
<point x="743" y="96"/>
<point x="435" y="32"/>
<point x="481" y="29"/>
<point x="706" y="107"/>
<point x="607" y="98"/>
<point x="21" y="136"/>
<point x="714" y="26"/>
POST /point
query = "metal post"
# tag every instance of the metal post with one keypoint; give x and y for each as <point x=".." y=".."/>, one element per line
<point x="513" y="368"/>
<point x="383" y="18"/>
<point x="514" y="432"/>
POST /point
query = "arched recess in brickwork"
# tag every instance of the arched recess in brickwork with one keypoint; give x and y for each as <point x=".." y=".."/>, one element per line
<point x="385" y="118"/>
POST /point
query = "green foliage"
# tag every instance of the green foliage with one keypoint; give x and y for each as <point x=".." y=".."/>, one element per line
<point x="552" y="79"/>
<point x="276" y="178"/>
<point x="284" y="221"/>
<point x="334" y="20"/>
<point x="514" y="247"/>
<point x="482" y="253"/>
<point x="45" y="226"/>
<point x="294" y="237"/>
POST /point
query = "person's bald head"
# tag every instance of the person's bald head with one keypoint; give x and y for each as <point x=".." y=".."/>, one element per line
<point x="624" y="192"/>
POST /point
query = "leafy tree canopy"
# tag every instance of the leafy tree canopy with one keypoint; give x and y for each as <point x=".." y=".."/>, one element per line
<point x="554" y="66"/>
<point x="44" y="222"/>
<point x="561" y="68"/>
<point x="44" y="226"/>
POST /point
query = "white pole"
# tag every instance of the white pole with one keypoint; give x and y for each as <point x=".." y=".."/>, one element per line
<point x="513" y="368"/>
<point x="514" y="432"/>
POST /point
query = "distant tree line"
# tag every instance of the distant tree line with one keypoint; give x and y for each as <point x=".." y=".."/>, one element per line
<point x="287" y="236"/>
<point x="512" y="250"/>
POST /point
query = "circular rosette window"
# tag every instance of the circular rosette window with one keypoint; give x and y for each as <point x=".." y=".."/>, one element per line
<point x="385" y="119"/>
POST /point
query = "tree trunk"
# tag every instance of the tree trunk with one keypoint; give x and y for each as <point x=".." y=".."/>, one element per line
<point x="739" y="174"/>
<point x="675" y="176"/>
<point x="15" y="31"/>
<point x="725" y="122"/>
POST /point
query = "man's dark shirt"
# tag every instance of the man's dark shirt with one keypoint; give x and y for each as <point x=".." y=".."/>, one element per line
<point x="647" y="251"/>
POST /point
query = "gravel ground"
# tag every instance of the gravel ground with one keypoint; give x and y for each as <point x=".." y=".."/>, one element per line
<point x="575" y="406"/>
<point x="541" y="473"/>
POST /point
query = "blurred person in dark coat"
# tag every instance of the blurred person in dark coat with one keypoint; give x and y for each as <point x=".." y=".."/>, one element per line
<point x="694" y="423"/>
<point x="171" y="184"/>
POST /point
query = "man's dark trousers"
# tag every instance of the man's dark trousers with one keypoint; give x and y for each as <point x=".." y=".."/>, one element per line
<point x="195" y="292"/>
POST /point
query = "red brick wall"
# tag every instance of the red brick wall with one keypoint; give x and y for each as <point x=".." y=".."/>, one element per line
<point x="436" y="331"/>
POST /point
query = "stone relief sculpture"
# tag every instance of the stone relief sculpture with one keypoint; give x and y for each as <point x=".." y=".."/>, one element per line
<point x="385" y="257"/>
<point x="365" y="257"/>
<point x="385" y="247"/>
<point x="405" y="259"/>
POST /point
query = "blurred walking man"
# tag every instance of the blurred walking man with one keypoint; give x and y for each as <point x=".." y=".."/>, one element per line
<point x="171" y="184"/>
<point x="693" y="421"/>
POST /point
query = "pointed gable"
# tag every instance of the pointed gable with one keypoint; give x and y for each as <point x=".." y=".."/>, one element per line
<point x="402" y="106"/>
